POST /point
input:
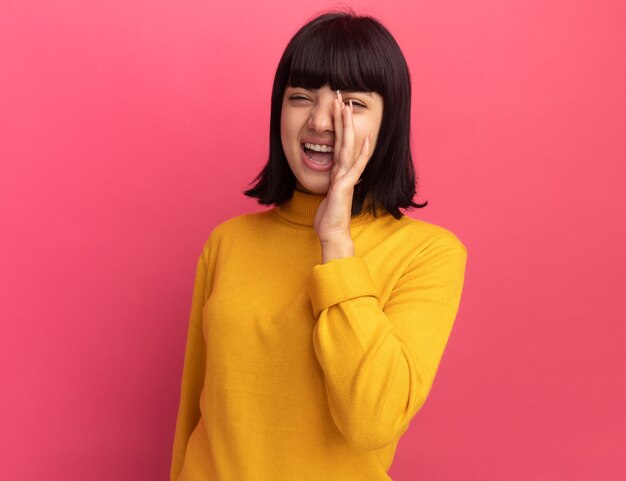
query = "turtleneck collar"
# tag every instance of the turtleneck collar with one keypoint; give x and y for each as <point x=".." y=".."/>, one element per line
<point x="302" y="207"/>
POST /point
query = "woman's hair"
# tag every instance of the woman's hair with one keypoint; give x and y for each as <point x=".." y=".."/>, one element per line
<point x="354" y="53"/>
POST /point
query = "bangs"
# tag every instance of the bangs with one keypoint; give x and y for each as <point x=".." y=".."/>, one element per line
<point x="344" y="58"/>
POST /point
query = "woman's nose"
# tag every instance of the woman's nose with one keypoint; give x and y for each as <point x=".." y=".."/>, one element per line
<point x="322" y="118"/>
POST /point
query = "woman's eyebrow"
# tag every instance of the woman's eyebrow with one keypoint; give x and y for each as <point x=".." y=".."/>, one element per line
<point x="369" y="94"/>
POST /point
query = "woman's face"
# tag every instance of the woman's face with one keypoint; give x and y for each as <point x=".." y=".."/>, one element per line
<point x="307" y="116"/>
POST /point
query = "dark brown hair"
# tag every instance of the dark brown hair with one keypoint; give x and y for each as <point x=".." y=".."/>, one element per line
<point x="353" y="53"/>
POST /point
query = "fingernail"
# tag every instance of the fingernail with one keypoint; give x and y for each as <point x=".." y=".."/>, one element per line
<point x="351" y="109"/>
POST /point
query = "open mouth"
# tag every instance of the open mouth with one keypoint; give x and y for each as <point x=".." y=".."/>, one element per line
<point x="321" y="158"/>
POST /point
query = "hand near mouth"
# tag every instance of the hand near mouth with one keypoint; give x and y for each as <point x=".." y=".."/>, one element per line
<point x="332" y="220"/>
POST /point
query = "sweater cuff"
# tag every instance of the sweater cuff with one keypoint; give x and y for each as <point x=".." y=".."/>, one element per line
<point x="339" y="280"/>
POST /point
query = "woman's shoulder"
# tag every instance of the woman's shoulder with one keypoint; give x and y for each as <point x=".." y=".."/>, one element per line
<point x="241" y="221"/>
<point x="235" y="227"/>
<point x="428" y="233"/>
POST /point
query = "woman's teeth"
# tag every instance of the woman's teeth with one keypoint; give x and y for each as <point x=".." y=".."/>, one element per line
<point x="318" y="148"/>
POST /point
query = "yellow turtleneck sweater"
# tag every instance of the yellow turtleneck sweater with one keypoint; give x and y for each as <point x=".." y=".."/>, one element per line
<point x="301" y="371"/>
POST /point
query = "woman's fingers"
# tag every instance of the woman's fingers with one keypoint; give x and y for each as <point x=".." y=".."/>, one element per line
<point x="338" y="120"/>
<point x="347" y="164"/>
<point x="348" y="136"/>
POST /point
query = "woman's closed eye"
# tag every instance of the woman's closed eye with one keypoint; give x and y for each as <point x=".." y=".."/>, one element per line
<point x="355" y="103"/>
<point x="297" y="97"/>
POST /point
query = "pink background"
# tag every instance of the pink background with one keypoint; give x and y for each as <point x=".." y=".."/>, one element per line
<point x="128" y="129"/>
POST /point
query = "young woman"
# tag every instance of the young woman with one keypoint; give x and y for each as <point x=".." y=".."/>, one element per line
<point x="317" y="326"/>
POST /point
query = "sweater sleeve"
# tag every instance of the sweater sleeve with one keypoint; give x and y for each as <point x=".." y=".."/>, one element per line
<point x="379" y="363"/>
<point x="193" y="373"/>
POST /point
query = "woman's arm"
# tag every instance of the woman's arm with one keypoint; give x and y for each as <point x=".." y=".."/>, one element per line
<point x="193" y="372"/>
<point x="379" y="363"/>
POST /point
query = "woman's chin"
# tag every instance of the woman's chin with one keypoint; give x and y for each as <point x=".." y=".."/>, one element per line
<point x="317" y="188"/>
